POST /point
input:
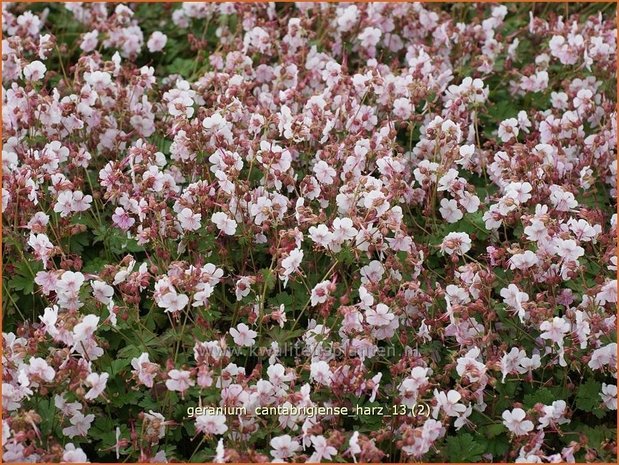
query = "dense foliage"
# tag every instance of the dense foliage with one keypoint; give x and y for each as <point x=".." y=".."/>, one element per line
<point x="402" y="206"/>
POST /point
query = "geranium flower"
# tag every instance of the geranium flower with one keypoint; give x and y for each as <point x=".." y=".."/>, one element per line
<point x="515" y="422"/>
<point x="243" y="336"/>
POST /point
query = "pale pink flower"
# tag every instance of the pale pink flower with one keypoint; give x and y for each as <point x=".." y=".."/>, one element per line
<point x="379" y="316"/>
<point x="73" y="454"/>
<point x="325" y="174"/>
<point x="211" y="424"/>
<point x="102" y="291"/>
<point x="34" y="71"/>
<point x="284" y="447"/>
<point x="450" y="211"/>
<point x="179" y="380"/>
<point x="224" y="223"/>
<point x="144" y="369"/>
<point x="189" y="220"/>
<point x="516" y="423"/>
<point x="321" y="449"/>
<point x="97" y="383"/>
<point x="609" y="396"/>
<point x="39" y="369"/>
<point x="243" y="336"/>
<point x="80" y="425"/>
<point x="320" y="372"/>
<point x="156" y="42"/>
<point x="457" y="243"/>
<point x="122" y="219"/>
<point x="320" y="293"/>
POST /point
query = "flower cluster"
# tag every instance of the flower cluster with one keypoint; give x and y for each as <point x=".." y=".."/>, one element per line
<point x="403" y="210"/>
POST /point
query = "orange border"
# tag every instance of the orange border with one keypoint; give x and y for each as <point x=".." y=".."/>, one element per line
<point x="358" y="1"/>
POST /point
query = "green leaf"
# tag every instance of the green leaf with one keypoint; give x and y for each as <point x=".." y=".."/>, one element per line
<point x="78" y="242"/>
<point x="119" y="365"/>
<point x="269" y="278"/>
<point x="494" y="430"/>
<point x="597" y="435"/>
<point x="23" y="279"/>
<point x="463" y="448"/>
<point x="542" y="396"/>
<point x="23" y="284"/>
<point x="47" y="411"/>
<point x="588" y="397"/>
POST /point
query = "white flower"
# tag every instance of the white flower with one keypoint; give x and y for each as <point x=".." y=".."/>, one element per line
<point x="353" y="445"/>
<point x="90" y="41"/>
<point x="402" y="108"/>
<point x="64" y="203"/>
<point x="156" y="42"/>
<point x="97" y="383"/>
<point x="321" y="449"/>
<point x="243" y="287"/>
<point x="291" y="263"/>
<point x="261" y="210"/>
<point x="320" y="293"/>
<point x="67" y="408"/>
<point x="284" y="447"/>
<point x="179" y="380"/>
<point x="450" y="211"/>
<point x="508" y="129"/>
<point x="80" y="425"/>
<point x="609" y="396"/>
<point x="144" y="369"/>
<point x="34" y="71"/>
<point x="373" y="272"/>
<point x="80" y="202"/>
<point x="41" y="246"/>
<point x="73" y="454"/>
<point x="376" y="199"/>
<point x="49" y="319"/>
<point x="448" y="403"/>
<point x="457" y="243"/>
<point x="321" y="235"/>
<point x="217" y="125"/>
<point x="211" y="424"/>
<point x="243" y="336"/>
<point x="562" y="200"/>
<point x="343" y="230"/>
<point x="70" y="282"/>
<point x="173" y="302"/>
<point x="102" y="291"/>
<point x="516" y="423"/>
<point x="380" y="316"/>
<point x="523" y="261"/>
<point x="606" y="355"/>
<point x="224" y="223"/>
<point x="347" y="18"/>
<point x="568" y="249"/>
<point x="205" y="290"/>
<point x="519" y="191"/>
<point x="155" y="423"/>
<point x="608" y="293"/>
<point x="85" y="329"/>
<point x="320" y="372"/>
<point x="554" y="330"/>
<point x="219" y="452"/>
<point x="554" y="413"/>
<point x="40" y="369"/>
<point x="324" y="173"/>
<point x="409" y="387"/>
<point x="369" y="37"/>
<point x="189" y="220"/>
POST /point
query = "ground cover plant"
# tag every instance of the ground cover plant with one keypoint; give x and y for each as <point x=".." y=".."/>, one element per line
<point x="364" y="232"/>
